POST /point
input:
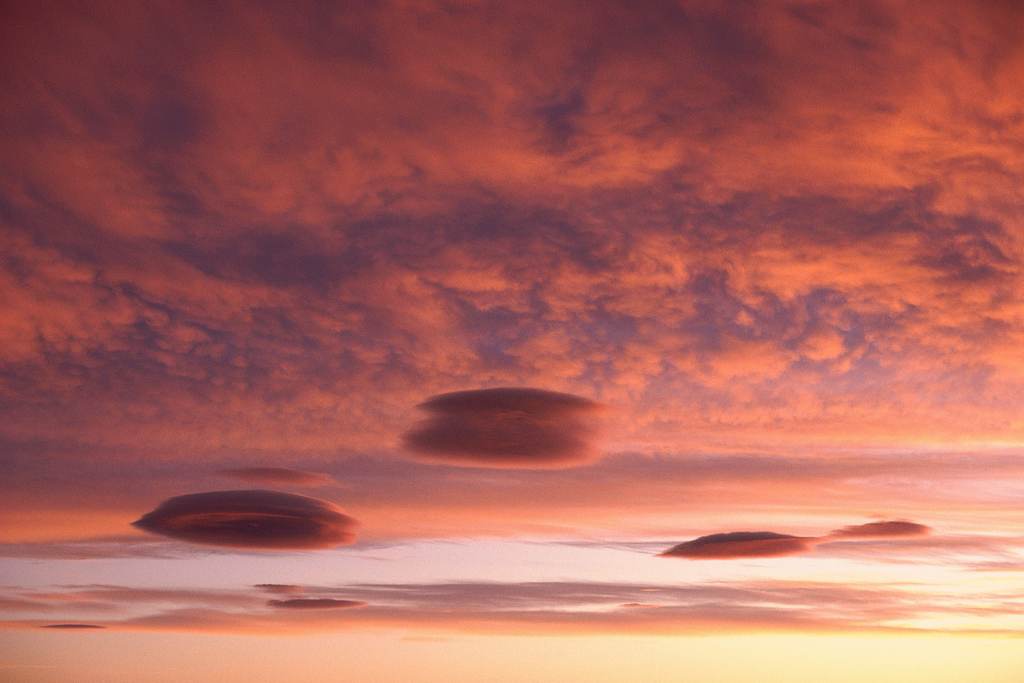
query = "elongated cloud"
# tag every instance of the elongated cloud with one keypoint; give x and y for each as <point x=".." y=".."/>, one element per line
<point x="251" y="519"/>
<point x="75" y="627"/>
<point x="886" y="529"/>
<point x="315" y="603"/>
<point x="505" y="427"/>
<point x="280" y="588"/>
<point x="562" y="607"/>
<point x="740" y="544"/>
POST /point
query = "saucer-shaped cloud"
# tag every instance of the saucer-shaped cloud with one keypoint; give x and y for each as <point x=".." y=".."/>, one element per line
<point x="74" y="627"/>
<point x="739" y="544"/>
<point x="886" y="529"/>
<point x="251" y="519"/>
<point x="279" y="475"/>
<point x="315" y="603"/>
<point x="505" y="427"/>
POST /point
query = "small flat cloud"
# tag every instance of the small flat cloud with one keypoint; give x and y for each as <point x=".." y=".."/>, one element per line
<point x="73" y="627"/>
<point x="280" y="588"/>
<point x="314" y="603"/>
<point x="739" y="544"/>
<point x="278" y="475"/>
<point x="251" y="519"/>
<point x="505" y="427"/>
<point x="884" y="529"/>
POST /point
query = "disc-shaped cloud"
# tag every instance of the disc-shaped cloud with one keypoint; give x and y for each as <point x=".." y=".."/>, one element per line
<point x="315" y="603"/>
<point x="506" y="427"/>
<point x="251" y="519"/>
<point x="738" y="544"/>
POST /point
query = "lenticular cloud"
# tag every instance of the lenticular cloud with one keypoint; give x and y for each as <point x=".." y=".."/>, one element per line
<point x="251" y="519"/>
<point x="315" y="603"/>
<point x="739" y="544"/>
<point x="505" y="427"/>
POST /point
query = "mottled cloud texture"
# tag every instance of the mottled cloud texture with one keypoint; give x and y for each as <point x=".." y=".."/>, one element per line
<point x="739" y="224"/>
<point x="781" y="242"/>
<point x="250" y="519"/>
<point x="505" y="427"/>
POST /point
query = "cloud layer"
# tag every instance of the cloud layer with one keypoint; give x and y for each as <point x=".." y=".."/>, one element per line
<point x="250" y="519"/>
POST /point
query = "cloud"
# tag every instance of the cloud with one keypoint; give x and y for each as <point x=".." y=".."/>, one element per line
<point x="251" y="519"/>
<point x="280" y="588"/>
<point x="505" y="427"/>
<point x="314" y="603"/>
<point x="569" y="607"/>
<point x="279" y="475"/>
<point x="74" y="626"/>
<point x="884" y="529"/>
<point x="740" y="544"/>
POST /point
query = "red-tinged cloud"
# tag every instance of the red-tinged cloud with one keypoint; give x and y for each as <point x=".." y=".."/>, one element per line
<point x="315" y="603"/>
<point x="280" y="588"/>
<point x="567" y="607"/>
<point x="74" y="627"/>
<point x="278" y="475"/>
<point x="740" y="544"/>
<point x="885" y="529"/>
<point x="505" y="427"/>
<point x="251" y="519"/>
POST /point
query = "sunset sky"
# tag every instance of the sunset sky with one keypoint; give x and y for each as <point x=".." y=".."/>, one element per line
<point x="512" y="342"/>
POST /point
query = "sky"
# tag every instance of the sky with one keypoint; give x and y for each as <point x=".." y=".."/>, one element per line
<point x="536" y="341"/>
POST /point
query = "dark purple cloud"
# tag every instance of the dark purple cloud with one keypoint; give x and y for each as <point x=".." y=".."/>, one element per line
<point x="505" y="427"/>
<point x="278" y="475"/>
<point x="74" y="626"/>
<point x="739" y="544"/>
<point x="314" y="603"/>
<point x="884" y="529"/>
<point x="251" y="519"/>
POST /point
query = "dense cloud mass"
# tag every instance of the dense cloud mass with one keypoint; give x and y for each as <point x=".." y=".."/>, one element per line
<point x="505" y="427"/>
<point x="250" y="519"/>
<point x="739" y="544"/>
